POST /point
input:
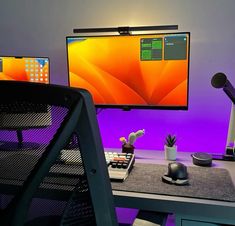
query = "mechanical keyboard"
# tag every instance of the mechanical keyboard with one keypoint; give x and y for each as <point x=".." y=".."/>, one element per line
<point x="119" y="164"/>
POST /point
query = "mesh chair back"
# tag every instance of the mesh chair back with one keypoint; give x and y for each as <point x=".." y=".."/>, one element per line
<point x="37" y="122"/>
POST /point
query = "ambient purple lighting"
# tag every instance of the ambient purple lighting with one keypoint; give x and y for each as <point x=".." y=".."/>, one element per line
<point x="195" y="132"/>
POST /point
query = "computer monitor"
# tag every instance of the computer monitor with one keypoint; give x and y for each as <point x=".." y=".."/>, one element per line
<point x="29" y="69"/>
<point x="132" y="71"/>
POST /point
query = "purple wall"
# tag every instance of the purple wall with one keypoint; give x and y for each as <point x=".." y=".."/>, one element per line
<point x="194" y="132"/>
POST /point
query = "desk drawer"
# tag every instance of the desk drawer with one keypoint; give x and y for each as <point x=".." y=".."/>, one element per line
<point x="197" y="223"/>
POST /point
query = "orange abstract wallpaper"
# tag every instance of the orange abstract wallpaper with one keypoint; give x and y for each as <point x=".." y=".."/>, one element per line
<point x="24" y="69"/>
<point x="114" y="71"/>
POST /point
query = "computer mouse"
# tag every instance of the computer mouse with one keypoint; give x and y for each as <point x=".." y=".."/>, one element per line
<point x="177" y="174"/>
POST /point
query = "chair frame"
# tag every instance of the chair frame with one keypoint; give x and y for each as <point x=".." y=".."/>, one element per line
<point x="81" y="120"/>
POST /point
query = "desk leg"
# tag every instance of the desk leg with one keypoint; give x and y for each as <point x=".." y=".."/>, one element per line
<point x="183" y="221"/>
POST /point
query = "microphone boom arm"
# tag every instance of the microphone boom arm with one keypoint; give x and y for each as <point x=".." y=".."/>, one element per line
<point x="219" y="80"/>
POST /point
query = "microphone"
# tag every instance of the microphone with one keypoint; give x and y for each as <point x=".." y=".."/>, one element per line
<point x="220" y="80"/>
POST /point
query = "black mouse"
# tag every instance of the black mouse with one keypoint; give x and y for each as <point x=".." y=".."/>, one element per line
<point x="177" y="174"/>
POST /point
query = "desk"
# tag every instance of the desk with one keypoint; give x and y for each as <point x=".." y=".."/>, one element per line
<point x="188" y="211"/>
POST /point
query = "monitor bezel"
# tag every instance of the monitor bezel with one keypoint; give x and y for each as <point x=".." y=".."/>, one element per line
<point x="33" y="57"/>
<point x="135" y="106"/>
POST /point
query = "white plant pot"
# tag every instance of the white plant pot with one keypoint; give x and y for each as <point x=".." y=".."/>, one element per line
<point x="170" y="152"/>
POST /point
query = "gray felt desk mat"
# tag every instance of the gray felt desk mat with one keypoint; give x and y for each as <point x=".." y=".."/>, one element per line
<point x="204" y="182"/>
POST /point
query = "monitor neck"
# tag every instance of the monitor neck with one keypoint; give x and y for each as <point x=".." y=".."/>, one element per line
<point x="231" y="129"/>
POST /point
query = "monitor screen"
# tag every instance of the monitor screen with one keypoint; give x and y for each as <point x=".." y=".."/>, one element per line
<point x="32" y="69"/>
<point x="133" y="71"/>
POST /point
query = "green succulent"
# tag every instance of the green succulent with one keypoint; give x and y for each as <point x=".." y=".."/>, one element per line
<point x="170" y="140"/>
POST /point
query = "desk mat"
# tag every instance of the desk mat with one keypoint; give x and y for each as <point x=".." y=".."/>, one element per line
<point x="204" y="183"/>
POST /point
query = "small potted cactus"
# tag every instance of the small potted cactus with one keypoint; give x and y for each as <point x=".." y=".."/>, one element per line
<point x="170" y="148"/>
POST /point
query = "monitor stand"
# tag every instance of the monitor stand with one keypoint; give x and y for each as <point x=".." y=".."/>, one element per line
<point x="20" y="145"/>
<point x="230" y="144"/>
